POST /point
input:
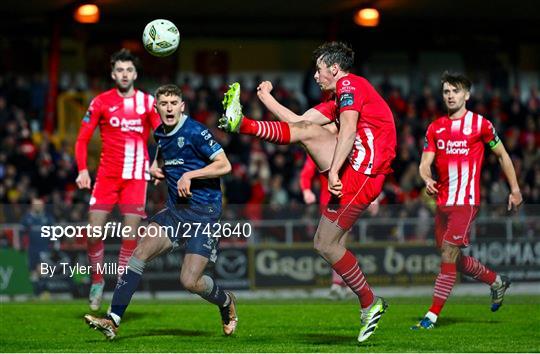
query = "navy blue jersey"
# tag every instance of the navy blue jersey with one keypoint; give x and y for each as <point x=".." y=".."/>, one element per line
<point x="190" y="146"/>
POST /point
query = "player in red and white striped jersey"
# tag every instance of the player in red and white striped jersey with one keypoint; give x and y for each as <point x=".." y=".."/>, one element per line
<point x="366" y="138"/>
<point x="455" y="143"/>
<point x="458" y="145"/>
<point x="125" y="117"/>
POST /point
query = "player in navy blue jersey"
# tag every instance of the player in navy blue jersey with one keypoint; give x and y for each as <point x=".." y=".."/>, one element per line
<point x="192" y="164"/>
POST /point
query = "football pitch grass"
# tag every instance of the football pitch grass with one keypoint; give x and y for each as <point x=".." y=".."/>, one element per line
<point x="466" y="325"/>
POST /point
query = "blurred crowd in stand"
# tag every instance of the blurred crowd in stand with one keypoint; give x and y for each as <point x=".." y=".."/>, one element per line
<point x="264" y="180"/>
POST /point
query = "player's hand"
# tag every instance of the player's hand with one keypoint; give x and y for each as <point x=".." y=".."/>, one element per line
<point x="309" y="196"/>
<point x="83" y="180"/>
<point x="334" y="184"/>
<point x="264" y="88"/>
<point x="431" y="187"/>
<point x="157" y="174"/>
<point x="184" y="185"/>
<point x="514" y="200"/>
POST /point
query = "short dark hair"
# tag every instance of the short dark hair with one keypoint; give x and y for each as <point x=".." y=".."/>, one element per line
<point x="456" y="79"/>
<point x="335" y="53"/>
<point x="124" y="55"/>
<point x="168" y="90"/>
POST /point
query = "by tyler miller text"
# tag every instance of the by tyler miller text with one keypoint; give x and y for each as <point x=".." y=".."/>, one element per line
<point x="66" y="269"/>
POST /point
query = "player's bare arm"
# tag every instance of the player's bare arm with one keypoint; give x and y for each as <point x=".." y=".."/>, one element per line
<point x="346" y="136"/>
<point x="425" y="172"/>
<point x="283" y="113"/>
<point x="220" y="166"/>
<point x="514" y="199"/>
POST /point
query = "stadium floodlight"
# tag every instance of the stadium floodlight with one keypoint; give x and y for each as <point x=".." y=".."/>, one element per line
<point x="87" y="13"/>
<point x="367" y="17"/>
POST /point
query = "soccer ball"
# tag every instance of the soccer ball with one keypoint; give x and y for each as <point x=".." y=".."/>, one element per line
<point x="161" y="37"/>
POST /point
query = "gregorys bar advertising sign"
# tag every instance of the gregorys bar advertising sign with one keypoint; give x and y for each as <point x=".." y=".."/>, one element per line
<point x="301" y="266"/>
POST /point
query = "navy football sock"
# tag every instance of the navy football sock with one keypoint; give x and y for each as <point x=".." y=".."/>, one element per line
<point x="213" y="292"/>
<point x="125" y="287"/>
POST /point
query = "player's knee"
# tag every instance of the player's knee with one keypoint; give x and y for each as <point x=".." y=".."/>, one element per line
<point x="189" y="282"/>
<point x="321" y="246"/>
<point x="449" y="254"/>
<point x="141" y="253"/>
<point x="97" y="219"/>
<point x="93" y="240"/>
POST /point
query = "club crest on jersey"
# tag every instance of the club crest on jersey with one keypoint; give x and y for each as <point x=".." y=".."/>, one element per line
<point x="180" y="142"/>
<point x="467" y="130"/>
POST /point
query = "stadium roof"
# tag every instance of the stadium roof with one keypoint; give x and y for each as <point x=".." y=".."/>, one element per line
<point x="312" y="18"/>
<point x="521" y="9"/>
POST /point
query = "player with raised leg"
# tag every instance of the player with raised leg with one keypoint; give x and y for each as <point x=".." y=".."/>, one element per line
<point x="455" y="143"/>
<point x="314" y="130"/>
<point x="193" y="164"/>
<point x="124" y="116"/>
<point x="366" y="138"/>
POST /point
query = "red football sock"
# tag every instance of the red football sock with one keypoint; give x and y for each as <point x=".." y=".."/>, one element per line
<point x="95" y="257"/>
<point x="274" y="132"/>
<point x="126" y="250"/>
<point x="349" y="269"/>
<point x="337" y="279"/>
<point x="443" y="286"/>
<point x="473" y="268"/>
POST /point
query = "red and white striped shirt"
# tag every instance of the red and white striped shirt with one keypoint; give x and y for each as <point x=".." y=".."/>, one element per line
<point x="124" y="126"/>
<point x="458" y="145"/>
<point x="375" y="143"/>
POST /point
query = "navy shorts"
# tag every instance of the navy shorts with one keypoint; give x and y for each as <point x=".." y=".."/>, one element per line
<point x="195" y="226"/>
